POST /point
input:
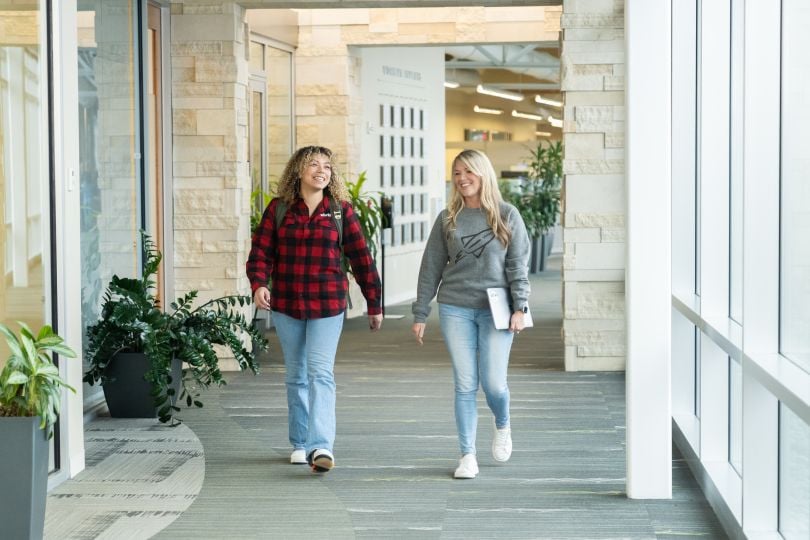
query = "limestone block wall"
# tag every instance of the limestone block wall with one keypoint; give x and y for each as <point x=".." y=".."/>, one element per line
<point x="211" y="179"/>
<point x="593" y="216"/>
<point x="328" y="108"/>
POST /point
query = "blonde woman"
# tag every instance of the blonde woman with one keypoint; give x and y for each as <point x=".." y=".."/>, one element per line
<point x="298" y="245"/>
<point x="478" y="241"/>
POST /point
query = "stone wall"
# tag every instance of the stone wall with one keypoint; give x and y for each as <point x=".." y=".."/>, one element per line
<point x="210" y="148"/>
<point x="328" y="110"/>
<point x="593" y="216"/>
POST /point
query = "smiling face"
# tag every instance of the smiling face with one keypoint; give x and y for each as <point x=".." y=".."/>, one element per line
<point x="316" y="174"/>
<point x="468" y="184"/>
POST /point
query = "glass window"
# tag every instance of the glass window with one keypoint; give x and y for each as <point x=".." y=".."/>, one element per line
<point x="280" y="122"/>
<point x="736" y="164"/>
<point x="110" y="168"/>
<point x="24" y="159"/>
<point x="795" y="187"/>
<point x="735" y="415"/>
<point x="794" y="476"/>
<point x="256" y="61"/>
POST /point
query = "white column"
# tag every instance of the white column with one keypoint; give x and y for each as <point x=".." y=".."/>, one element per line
<point x="68" y="267"/>
<point x="648" y="274"/>
<point x="761" y="262"/>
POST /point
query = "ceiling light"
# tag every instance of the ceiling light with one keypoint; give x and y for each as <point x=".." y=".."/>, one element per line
<point x="543" y="133"/>
<point x="451" y="84"/>
<point x="487" y="111"/>
<point x="543" y="101"/>
<point x="556" y="122"/>
<point x="505" y="94"/>
<point x="527" y="116"/>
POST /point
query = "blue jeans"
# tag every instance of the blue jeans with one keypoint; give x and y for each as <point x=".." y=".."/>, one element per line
<point x="309" y="348"/>
<point x="479" y="352"/>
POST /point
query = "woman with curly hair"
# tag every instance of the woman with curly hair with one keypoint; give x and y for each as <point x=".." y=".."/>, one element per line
<point x="297" y="247"/>
<point x="478" y="241"/>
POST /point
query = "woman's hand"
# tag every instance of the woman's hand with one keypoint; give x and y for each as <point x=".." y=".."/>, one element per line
<point x="375" y="322"/>
<point x="261" y="297"/>
<point x="418" y="330"/>
<point x="516" y="323"/>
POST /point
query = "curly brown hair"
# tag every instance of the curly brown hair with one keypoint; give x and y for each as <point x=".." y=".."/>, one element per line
<point x="289" y="185"/>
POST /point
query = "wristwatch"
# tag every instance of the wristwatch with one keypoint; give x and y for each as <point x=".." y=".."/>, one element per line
<point x="525" y="309"/>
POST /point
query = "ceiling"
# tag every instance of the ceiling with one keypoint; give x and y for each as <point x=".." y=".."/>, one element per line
<point x="523" y="69"/>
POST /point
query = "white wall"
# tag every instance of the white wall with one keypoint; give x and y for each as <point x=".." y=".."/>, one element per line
<point x="409" y="78"/>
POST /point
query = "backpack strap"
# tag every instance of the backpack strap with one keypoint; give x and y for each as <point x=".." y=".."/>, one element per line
<point x="337" y="217"/>
<point x="281" y="211"/>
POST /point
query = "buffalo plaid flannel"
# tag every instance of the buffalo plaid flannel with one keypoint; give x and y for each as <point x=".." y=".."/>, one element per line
<point x="303" y="259"/>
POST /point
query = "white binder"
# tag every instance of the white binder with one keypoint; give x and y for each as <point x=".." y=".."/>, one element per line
<point x="500" y="304"/>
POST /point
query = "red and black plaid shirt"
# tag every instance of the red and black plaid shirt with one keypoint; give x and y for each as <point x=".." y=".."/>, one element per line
<point x="303" y="259"/>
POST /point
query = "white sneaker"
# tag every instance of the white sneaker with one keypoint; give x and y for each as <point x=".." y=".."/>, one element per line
<point x="502" y="444"/>
<point x="321" y="460"/>
<point x="298" y="457"/>
<point x="467" y="467"/>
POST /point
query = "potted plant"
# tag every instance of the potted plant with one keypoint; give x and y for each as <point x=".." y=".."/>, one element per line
<point x="136" y="349"/>
<point x="368" y="211"/>
<point x="537" y="197"/>
<point x="370" y="215"/>
<point x="30" y="400"/>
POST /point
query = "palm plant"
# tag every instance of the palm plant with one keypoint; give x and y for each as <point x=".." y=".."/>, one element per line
<point x="133" y="321"/>
<point x="30" y="384"/>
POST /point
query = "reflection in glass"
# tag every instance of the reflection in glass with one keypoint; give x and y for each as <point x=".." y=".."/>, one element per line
<point x="794" y="476"/>
<point x="24" y="241"/>
<point x="110" y="183"/>
<point x="795" y="189"/>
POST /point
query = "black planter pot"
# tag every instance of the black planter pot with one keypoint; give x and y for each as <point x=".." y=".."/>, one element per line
<point x="127" y="393"/>
<point x="540" y="249"/>
<point x="23" y="465"/>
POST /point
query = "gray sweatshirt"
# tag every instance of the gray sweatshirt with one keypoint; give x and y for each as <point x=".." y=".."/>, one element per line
<point x="462" y="268"/>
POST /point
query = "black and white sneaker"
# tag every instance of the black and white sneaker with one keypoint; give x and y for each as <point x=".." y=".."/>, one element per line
<point x="321" y="460"/>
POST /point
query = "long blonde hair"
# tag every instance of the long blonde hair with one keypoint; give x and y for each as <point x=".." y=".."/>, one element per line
<point x="289" y="185"/>
<point x="491" y="198"/>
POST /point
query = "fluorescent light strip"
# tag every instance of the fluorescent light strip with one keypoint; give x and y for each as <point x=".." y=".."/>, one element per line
<point x="451" y="84"/>
<point x="543" y="133"/>
<point x="555" y="122"/>
<point x="487" y="111"/>
<point x="540" y="99"/>
<point x="505" y="94"/>
<point x="527" y="116"/>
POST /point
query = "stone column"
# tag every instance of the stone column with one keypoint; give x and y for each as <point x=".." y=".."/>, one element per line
<point x="326" y="90"/>
<point x="210" y="148"/>
<point x="593" y="216"/>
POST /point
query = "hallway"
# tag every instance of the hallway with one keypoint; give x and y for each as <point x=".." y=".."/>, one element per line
<point x="395" y="452"/>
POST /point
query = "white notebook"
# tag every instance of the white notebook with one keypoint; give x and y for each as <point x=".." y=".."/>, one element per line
<point x="500" y="304"/>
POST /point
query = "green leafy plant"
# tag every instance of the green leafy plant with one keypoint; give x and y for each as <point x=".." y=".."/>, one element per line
<point x="368" y="211"/>
<point x="30" y="384"/>
<point x="132" y="321"/>
<point x="537" y="197"/>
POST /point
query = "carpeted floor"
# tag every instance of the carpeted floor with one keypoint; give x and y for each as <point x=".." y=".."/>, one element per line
<point x="395" y="452"/>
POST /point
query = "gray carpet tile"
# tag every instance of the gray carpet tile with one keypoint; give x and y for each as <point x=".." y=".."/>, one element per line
<point x="139" y="477"/>
<point x="396" y="450"/>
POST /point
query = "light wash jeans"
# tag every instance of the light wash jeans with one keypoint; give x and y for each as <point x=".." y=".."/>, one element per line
<point x="479" y="352"/>
<point x="309" y="348"/>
